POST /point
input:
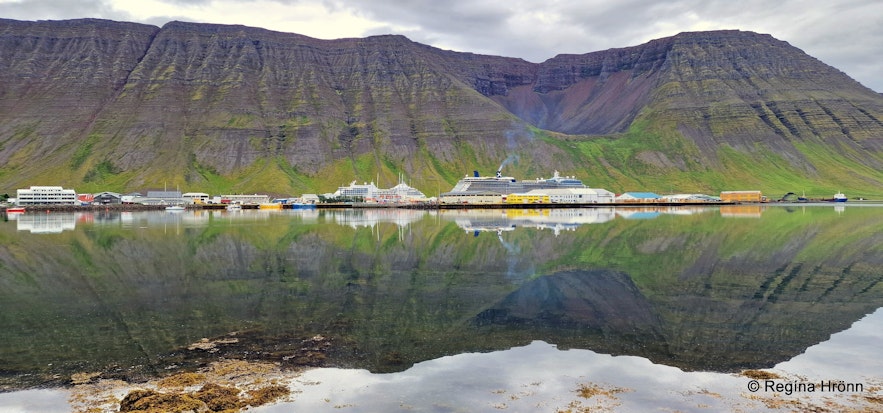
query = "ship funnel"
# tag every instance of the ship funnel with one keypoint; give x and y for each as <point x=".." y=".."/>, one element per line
<point x="475" y="174"/>
<point x="500" y="173"/>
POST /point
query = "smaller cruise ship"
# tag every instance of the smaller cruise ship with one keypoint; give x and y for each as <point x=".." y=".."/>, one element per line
<point x="368" y="192"/>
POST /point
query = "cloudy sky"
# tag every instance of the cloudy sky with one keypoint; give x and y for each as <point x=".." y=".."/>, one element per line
<point x="846" y="34"/>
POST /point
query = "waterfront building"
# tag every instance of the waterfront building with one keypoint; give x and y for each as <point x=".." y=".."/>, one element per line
<point x="253" y="199"/>
<point x="532" y="197"/>
<point x="310" y="198"/>
<point x="105" y="198"/>
<point x="46" y="195"/>
<point x="578" y="195"/>
<point x="85" y="199"/>
<point x="131" y="198"/>
<point x="161" y="198"/>
<point x="195" y="197"/>
<point x="471" y="198"/>
<point x="638" y="197"/>
<point x="684" y="198"/>
<point x="742" y="196"/>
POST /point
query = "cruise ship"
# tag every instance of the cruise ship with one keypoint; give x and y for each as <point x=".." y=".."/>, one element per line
<point x="369" y="192"/>
<point x="508" y="185"/>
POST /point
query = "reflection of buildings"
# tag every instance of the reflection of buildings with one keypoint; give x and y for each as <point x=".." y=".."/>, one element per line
<point x="46" y="223"/>
<point x="479" y="220"/>
<point x="57" y="222"/>
<point x="186" y="219"/>
<point x="507" y="219"/>
<point x="650" y="212"/>
<point x="741" y="211"/>
<point x="366" y="217"/>
<point x="556" y="219"/>
<point x="560" y="219"/>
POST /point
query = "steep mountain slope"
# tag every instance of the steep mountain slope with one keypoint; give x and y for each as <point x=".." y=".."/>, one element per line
<point x="106" y="105"/>
<point x="55" y="78"/>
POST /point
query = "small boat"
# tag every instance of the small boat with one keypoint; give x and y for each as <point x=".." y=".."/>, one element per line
<point x="15" y="210"/>
<point x="302" y="205"/>
<point x="175" y="208"/>
<point x="234" y="207"/>
<point x="271" y="205"/>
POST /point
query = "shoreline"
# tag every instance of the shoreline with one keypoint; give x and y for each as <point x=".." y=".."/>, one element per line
<point x="428" y="206"/>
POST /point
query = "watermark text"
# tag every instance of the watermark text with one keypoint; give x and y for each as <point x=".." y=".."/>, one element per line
<point x="791" y="387"/>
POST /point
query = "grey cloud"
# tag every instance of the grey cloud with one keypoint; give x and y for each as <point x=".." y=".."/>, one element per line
<point x="61" y="10"/>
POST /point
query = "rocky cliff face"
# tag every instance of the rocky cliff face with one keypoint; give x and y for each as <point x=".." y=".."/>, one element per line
<point x="127" y="105"/>
<point x="56" y="78"/>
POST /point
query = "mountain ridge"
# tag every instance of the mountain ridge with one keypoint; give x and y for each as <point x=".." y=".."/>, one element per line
<point x="121" y="106"/>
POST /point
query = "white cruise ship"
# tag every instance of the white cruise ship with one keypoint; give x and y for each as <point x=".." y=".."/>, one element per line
<point x="508" y="185"/>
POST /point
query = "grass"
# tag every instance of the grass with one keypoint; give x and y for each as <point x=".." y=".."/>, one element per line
<point x="619" y="162"/>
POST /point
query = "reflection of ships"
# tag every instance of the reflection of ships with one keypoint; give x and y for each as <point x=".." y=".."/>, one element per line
<point x="371" y="217"/>
<point x="508" y="185"/>
<point x="476" y="221"/>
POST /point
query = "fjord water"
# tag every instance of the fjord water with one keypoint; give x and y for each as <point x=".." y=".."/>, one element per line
<point x="716" y="289"/>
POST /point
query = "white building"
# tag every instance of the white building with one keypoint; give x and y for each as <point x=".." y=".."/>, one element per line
<point x="46" y="195"/>
<point x="161" y="198"/>
<point x="471" y="198"/>
<point x="253" y="199"/>
<point x="637" y="197"/>
<point x="195" y="197"/>
<point x="310" y="198"/>
<point x="577" y="195"/>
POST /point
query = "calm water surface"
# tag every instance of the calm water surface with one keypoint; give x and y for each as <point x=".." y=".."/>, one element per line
<point x="409" y="294"/>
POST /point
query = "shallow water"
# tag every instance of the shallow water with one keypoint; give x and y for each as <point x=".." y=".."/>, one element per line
<point x="540" y="377"/>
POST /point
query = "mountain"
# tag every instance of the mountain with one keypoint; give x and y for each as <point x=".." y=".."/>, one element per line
<point x="103" y="105"/>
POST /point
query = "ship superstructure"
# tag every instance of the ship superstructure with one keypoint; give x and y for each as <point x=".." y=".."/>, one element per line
<point x="508" y="185"/>
<point x="368" y="192"/>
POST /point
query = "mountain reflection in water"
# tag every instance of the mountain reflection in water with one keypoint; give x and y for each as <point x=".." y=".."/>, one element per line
<point x="717" y="289"/>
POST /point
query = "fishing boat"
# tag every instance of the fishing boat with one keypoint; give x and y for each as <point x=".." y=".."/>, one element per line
<point x="839" y="197"/>
<point x="302" y="205"/>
